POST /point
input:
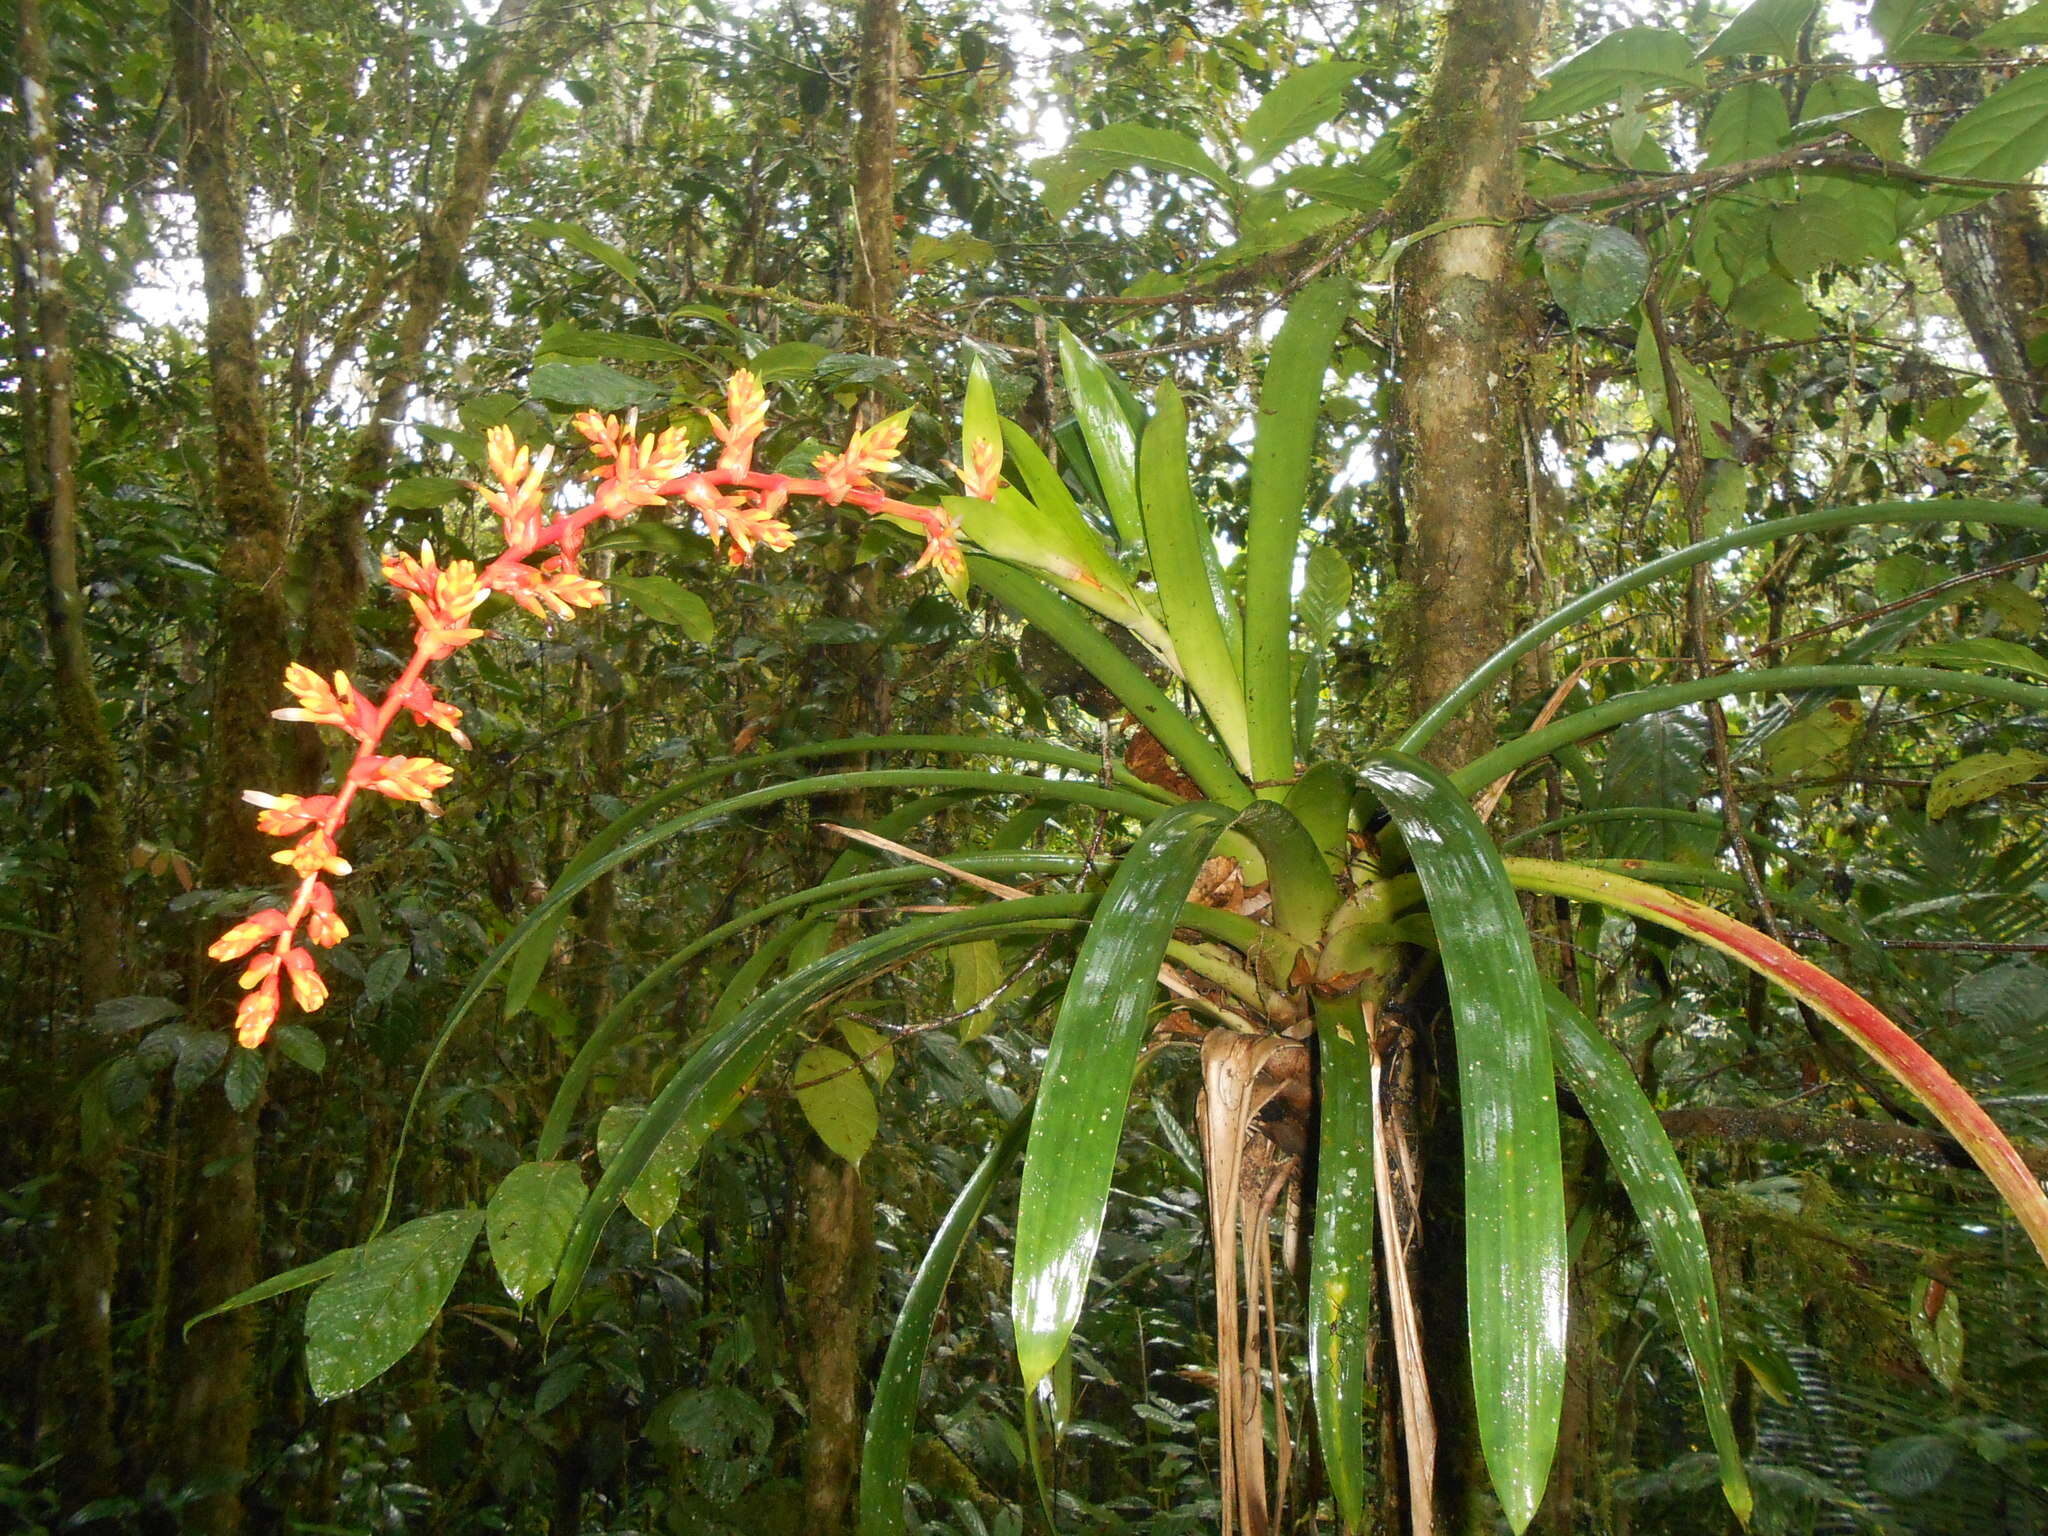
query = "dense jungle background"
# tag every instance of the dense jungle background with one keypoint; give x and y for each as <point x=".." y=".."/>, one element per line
<point x="1619" y="277"/>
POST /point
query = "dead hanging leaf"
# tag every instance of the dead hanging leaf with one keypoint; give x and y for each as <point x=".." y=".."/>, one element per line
<point x="1242" y="1077"/>
<point x="1219" y="885"/>
<point x="1151" y="762"/>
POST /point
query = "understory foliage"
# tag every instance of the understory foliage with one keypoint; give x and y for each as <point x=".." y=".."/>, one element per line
<point x="1181" y="1066"/>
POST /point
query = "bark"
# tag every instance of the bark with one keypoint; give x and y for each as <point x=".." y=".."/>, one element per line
<point x="76" y="1411"/>
<point x="836" y="1271"/>
<point x="1993" y="259"/>
<point x="333" y="548"/>
<point x="203" y="1440"/>
<point x="1462" y="324"/>
<point x="836" y="1267"/>
<point x="875" y="269"/>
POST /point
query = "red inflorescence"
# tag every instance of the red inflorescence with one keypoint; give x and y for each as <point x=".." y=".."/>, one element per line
<point x="739" y="507"/>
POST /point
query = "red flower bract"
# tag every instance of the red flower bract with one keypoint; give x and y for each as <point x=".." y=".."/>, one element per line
<point x="740" y="507"/>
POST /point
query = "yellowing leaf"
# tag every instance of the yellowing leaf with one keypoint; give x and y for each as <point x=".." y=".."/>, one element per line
<point x="977" y="973"/>
<point x="1979" y="777"/>
<point x="1814" y="738"/>
<point x="835" y="1098"/>
<point x="877" y="1056"/>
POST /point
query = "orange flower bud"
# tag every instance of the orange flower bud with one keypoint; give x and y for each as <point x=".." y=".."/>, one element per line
<point x="323" y="926"/>
<point x="257" y="1013"/>
<point x="313" y="854"/>
<point x="308" y="990"/>
<point x="402" y="778"/>
<point x="247" y="934"/>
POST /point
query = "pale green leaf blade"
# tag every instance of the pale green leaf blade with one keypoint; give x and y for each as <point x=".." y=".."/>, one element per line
<point x="1087" y="1079"/>
<point x="834" y="1095"/>
<point x="1515" y="1267"/>
<point x="1641" y="1153"/>
<point x="667" y="601"/>
<point x="892" y="1416"/>
<point x="1980" y="776"/>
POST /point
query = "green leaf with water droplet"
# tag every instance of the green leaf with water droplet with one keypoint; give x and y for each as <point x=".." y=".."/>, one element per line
<point x="366" y="1317"/>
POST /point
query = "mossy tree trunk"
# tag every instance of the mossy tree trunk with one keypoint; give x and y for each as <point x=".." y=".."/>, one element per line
<point x="1463" y="327"/>
<point x="76" y="1385"/>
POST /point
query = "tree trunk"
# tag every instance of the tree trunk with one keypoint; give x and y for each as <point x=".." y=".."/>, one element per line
<point x="1462" y="335"/>
<point x="333" y="547"/>
<point x="76" y="1411"/>
<point x="1993" y="259"/>
<point x="210" y="1414"/>
<point x="836" y="1268"/>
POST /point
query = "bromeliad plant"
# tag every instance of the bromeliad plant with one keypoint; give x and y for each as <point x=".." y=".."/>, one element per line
<point x="1362" y="872"/>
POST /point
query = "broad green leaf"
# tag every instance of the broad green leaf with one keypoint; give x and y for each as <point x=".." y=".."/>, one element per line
<point x="715" y="1077"/>
<point x="423" y="491"/>
<point x="1199" y="614"/>
<point x="1086" y="1083"/>
<point x="2024" y="29"/>
<point x="668" y="602"/>
<point x="871" y="1048"/>
<point x="2010" y="606"/>
<point x="1912" y="1466"/>
<point x="788" y="360"/>
<point x="1283" y="452"/>
<point x="243" y="1080"/>
<point x="1659" y="761"/>
<point x="529" y="964"/>
<point x="1634" y="60"/>
<point x="301" y="1045"/>
<point x="960" y="249"/>
<point x="1628" y="1128"/>
<point x="2003" y="138"/>
<point x="1112" y="440"/>
<point x="892" y="1416"/>
<point x="581" y="239"/>
<point x="1325" y="594"/>
<point x="528" y="1221"/>
<point x="564" y="340"/>
<point x="385" y="974"/>
<point x="1814" y="739"/>
<point x="1596" y="272"/>
<point x="658" y="1189"/>
<point x="1978" y="653"/>
<point x="368" y="1314"/>
<point x="598" y="385"/>
<point x="1340" y="1282"/>
<point x="977" y="978"/>
<point x="1941" y="418"/>
<point x="1515" y="1262"/>
<point x="277" y="1285"/>
<point x="835" y="1097"/>
<point x="1979" y="777"/>
<point x="1298" y="104"/>
<point x="1749" y="121"/>
<point x="1940" y="1338"/>
<point x="1897" y="20"/>
<point x="1102" y="152"/>
<point x="1770" y="27"/>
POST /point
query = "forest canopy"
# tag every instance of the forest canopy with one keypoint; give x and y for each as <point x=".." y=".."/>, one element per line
<point x="975" y="768"/>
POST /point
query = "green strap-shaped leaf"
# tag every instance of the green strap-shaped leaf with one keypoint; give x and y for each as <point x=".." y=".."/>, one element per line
<point x="712" y="1081"/>
<point x="892" y="1417"/>
<point x="1112" y="440"/>
<point x="1190" y="593"/>
<point x="1283" y="445"/>
<point x="629" y="845"/>
<point x="2002" y="514"/>
<point x="370" y="1312"/>
<point x="1641" y="1153"/>
<point x="1087" y="1080"/>
<point x="1035" y="603"/>
<point x="1515" y="1271"/>
<point x="1340" y="1271"/>
<point x="1609" y="713"/>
